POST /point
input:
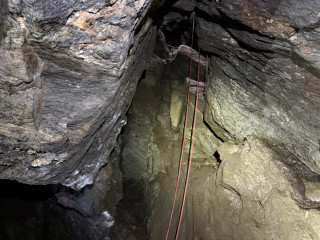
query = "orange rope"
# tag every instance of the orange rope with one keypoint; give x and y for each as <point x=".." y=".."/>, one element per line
<point x="191" y="150"/>
<point x="184" y="137"/>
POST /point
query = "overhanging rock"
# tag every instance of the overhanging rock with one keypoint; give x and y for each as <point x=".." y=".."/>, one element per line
<point x="68" y="72"/>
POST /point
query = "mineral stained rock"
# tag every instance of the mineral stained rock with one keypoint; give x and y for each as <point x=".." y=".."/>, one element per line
<point x="68" y="72"/>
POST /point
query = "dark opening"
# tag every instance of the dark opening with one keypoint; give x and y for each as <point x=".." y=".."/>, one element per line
<point x="30" y="212"/>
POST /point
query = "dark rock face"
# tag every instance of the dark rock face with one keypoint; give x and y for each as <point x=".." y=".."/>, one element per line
<point x="68" y="72"/>
<point x="59" y="212"/>
<point x="24" y="208"/>
<point x="54" y="10"/>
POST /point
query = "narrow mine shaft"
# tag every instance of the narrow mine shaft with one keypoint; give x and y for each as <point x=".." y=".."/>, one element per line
<point x="98" y="105"/>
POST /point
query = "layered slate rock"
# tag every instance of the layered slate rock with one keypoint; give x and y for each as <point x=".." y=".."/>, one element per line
<point x="265" y="78"/>
<point x="68" y="72"/>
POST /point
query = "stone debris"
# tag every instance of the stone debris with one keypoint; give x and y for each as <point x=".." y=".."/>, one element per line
<point x="39" y="162"/>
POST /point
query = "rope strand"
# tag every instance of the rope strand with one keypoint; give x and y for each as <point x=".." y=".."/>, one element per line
<point x="191" y="150"/>
<point x="184" y="137"/>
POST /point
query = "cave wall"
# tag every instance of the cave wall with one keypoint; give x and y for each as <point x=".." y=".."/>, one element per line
<point x="261" y="103"/>
<point x="264" y="80"/>
<point x="151" y="143"/>
<point x="237" y="189"/>
<point x="265" y="76"/>
<point x="68" y="72"/>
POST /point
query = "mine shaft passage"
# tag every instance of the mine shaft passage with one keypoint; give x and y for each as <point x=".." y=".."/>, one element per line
<point x="102" y="103"/>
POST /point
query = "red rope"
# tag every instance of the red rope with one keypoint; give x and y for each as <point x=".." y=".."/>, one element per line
<point x="184" y="137"/>
<point x="191" y="150"/>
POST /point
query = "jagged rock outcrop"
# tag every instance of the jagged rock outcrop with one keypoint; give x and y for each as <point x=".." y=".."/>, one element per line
<point x="68" y="72"/>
